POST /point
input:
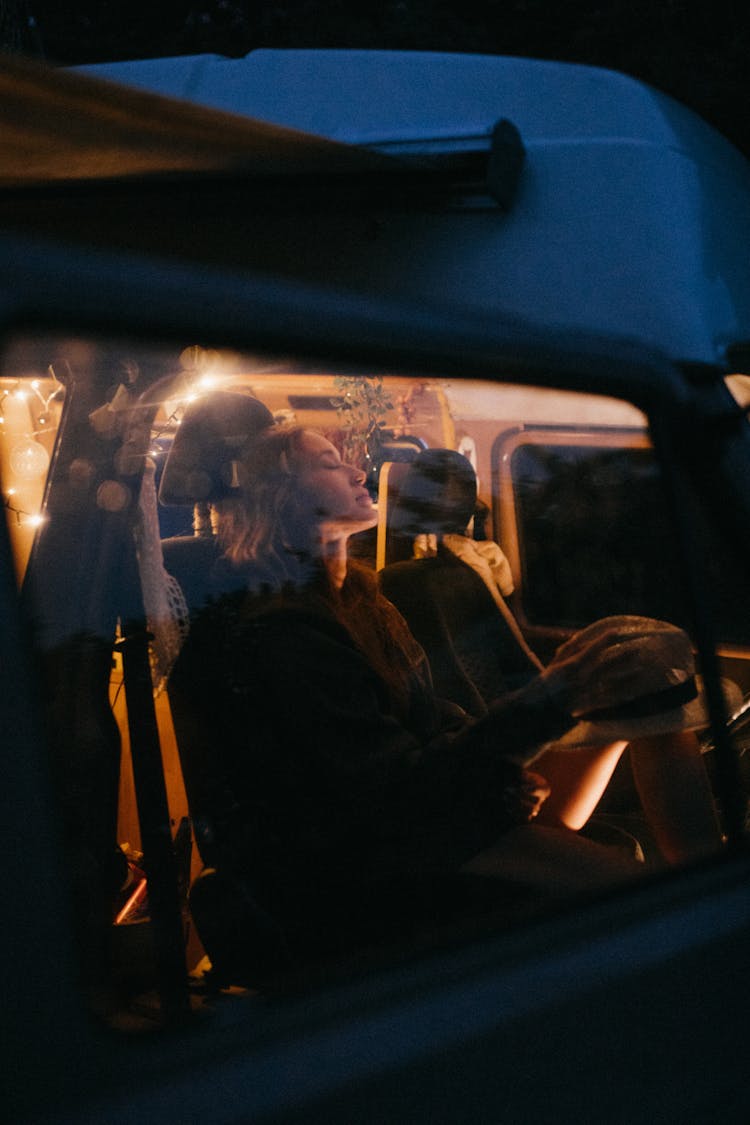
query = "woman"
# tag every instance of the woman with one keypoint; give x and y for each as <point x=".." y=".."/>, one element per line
<point x="355" y="801"/>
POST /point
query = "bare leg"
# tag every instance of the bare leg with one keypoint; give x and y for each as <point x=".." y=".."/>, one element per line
<point x="553" y="863"/>
<point x="577" y="779"/>
<point x="676" y="794"/>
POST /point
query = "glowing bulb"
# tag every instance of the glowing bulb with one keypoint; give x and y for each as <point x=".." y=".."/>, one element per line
<point x="29" y="459"/>
<point x="206" y="382"/>
<point x="34" y="521"/>
<point x="21" y="395"/>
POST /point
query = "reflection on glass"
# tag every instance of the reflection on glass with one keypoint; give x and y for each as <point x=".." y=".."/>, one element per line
<point x="126" y="471"/>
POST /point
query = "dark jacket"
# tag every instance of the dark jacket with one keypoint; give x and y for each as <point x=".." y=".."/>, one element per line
<point x="318" y="779"/>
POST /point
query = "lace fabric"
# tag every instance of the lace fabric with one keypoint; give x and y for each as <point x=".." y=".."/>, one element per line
<point x="166" y="610"/>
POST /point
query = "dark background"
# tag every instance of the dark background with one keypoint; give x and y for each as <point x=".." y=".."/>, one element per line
<point x="694" y="50"/>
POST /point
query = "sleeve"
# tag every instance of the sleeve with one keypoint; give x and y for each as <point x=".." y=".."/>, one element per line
<point x="426" y="796"/>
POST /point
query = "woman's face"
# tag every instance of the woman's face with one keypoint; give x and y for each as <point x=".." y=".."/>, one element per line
<point x="335" y="490"/>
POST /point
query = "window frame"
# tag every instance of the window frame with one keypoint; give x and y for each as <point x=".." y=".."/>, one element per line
<point x="425" y="1038"/>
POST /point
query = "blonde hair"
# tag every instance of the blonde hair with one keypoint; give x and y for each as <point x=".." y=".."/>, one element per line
<point x="274" y="527"/>
<point x="270" y="523"/>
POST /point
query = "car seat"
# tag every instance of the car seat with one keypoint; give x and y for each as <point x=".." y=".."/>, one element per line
<point x="243" y="942"/>
<point x="457" y="613"/>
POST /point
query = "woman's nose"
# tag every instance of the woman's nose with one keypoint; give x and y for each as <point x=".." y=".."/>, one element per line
<point x="359" y="476"/>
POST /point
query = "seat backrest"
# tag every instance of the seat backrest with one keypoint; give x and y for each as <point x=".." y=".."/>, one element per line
<point x="472" y="642"/>
<point x="201" y="469"/>
<point x="215" y="430"/>
<point x="390" y="547"/>
<point x="244" y="943"/>
<point x="190" y="560"/>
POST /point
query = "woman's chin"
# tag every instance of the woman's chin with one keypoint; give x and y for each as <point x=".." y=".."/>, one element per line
<point x="356" y="521"/>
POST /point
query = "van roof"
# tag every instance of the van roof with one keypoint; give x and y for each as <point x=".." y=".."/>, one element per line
<point x="632" y="216"/>
<point x="381" y="97"/>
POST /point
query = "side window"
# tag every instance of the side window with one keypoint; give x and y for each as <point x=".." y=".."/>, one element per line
<point x="592" y="529"/>
<point x="575" y="502"/>
<point x="235" y="567"/>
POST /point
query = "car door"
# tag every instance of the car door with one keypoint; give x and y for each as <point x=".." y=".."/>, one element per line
<point x="539" y="1020"/>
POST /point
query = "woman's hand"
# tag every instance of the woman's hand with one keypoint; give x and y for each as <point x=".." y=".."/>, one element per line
<point x="609" y="663"/>
<point x="526" y="800"/>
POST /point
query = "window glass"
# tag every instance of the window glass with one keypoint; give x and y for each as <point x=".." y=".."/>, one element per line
<point x="221" y="696"/>
<point x="598" y="507"/>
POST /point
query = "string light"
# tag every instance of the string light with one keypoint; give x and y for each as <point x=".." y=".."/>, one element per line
<point x="22" y="390"/>
<point x="25" y="519"/>
<point x="55" y="393"/>
<point x="28" y="459"/>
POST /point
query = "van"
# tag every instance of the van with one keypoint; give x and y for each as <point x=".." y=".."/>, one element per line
<point x="539" y="266"/>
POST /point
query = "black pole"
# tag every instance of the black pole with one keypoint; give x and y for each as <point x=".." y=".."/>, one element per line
<point x="728" y="775"/>
<point x="159" y="858"/>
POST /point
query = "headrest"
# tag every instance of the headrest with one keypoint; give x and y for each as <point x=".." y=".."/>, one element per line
<point x="438" y="495"/>
<point x="214" y="432"/>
